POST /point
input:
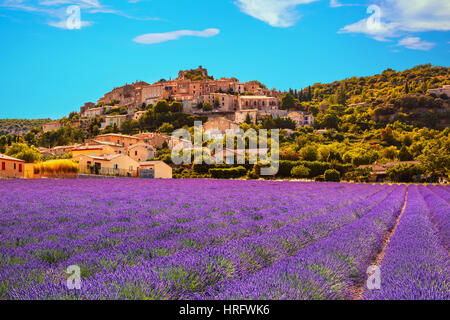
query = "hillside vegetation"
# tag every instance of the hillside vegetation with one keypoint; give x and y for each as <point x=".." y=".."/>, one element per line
<point x="20" y="126"/>
<point x="384" y="98"/>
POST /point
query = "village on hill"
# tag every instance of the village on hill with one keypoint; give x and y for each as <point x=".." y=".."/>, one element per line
<point x="364" y="129"/>
<point x="223" y="103"/>
<point x="199" y="94"/>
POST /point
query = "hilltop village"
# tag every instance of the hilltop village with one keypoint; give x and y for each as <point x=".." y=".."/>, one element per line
<point x="199" y="94"/>
<point x="392" y="126"/>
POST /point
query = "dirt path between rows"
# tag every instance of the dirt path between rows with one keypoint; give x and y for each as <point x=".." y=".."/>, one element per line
<point x="358" y="289"/>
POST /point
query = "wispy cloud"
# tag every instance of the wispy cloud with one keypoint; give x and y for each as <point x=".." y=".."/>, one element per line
<point x="401" y="18"/>
<point x="55" y="10"/>
<point x="338" y="4"/>
<point x="335" y="4"/>
<point x="277" y="13"/>
<point x="416" y="43"/>
<point x="152" y="38"/>
<point x="62" y="24"/>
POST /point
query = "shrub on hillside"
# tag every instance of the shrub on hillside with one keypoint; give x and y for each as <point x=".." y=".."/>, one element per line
<point x="404" y="172"/>
<point x="332" y="175"/>
<point x="300" y="171"/>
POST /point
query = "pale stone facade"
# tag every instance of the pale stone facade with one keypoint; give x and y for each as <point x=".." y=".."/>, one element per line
<point x="142" y="152"/>
<point x="301" y="119"/>
<point x="227" y="102"/>
<point x="258" y="102"/>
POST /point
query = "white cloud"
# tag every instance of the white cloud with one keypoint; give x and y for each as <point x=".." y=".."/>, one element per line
<point x="335" y="4"/>
<point x="396" y="18"/>
<point x="62" y="24"/>
<point x="277" y="13"/>
<point x="55" y="10"/>
<point x="416" y="43"/>
<point x="338" y="4"/>
<point x="151" y="38"/>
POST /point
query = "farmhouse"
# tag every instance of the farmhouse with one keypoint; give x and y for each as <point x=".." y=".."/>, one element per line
<point x="115" y="164"/>
<point x="161" y="170"/>
<point x="11" y="167"/>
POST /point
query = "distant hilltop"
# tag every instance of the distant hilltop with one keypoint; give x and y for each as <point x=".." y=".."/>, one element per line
<point x="20" y="126"/>
<point x="188" y="88"/>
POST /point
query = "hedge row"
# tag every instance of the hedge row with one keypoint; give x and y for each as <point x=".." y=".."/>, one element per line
<point x="227" y="173"/>
<point x="317" y="168"/>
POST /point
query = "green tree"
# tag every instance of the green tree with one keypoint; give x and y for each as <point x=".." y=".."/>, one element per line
<point x="269" y="123"/>
<point x="30" y="138"/>
<point x="435" y="157"/>
<point x="300" y="171"/>
<point x="161" y="107"/>
<point x="360" y="156"/>
<point x="176" y="106"/>
<point x="288" y="102"/>
<point x="403" y="172"/>
<point x="216" y="103"/>
<point x="166" y="128"/>
<point x="288" y="153"/>
<point x="330" y="121"/>
<point x="207" y="107"/>
<point x="405" y="155"/>
<point x="3" y="143"/>
<point x="332" y="175"/>
<point x="24" y="152"/>
<point x="390" y="153"/>
<point x="129" y="127"/>
<point x="308" y="153"/>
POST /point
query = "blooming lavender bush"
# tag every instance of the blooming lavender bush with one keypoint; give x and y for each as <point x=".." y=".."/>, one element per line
<point x="202" y="239"/>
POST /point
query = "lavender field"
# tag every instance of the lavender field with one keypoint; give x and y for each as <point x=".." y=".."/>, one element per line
<point x="207" y="239"/>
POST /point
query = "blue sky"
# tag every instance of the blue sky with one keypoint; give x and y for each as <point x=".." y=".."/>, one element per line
<point x="51" y="64"/>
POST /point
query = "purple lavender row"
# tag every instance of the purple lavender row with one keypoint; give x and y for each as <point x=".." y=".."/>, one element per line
<point x="326" y="270"/>
<point x="95" y="236"/>
<point x="191" y="269"/>
<point x="440" y="212"/>
<point x="442" y="191"/>
<point x="58" y="250"/>
<point x="176" y="215"/>
<point x="416" y="265"/>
